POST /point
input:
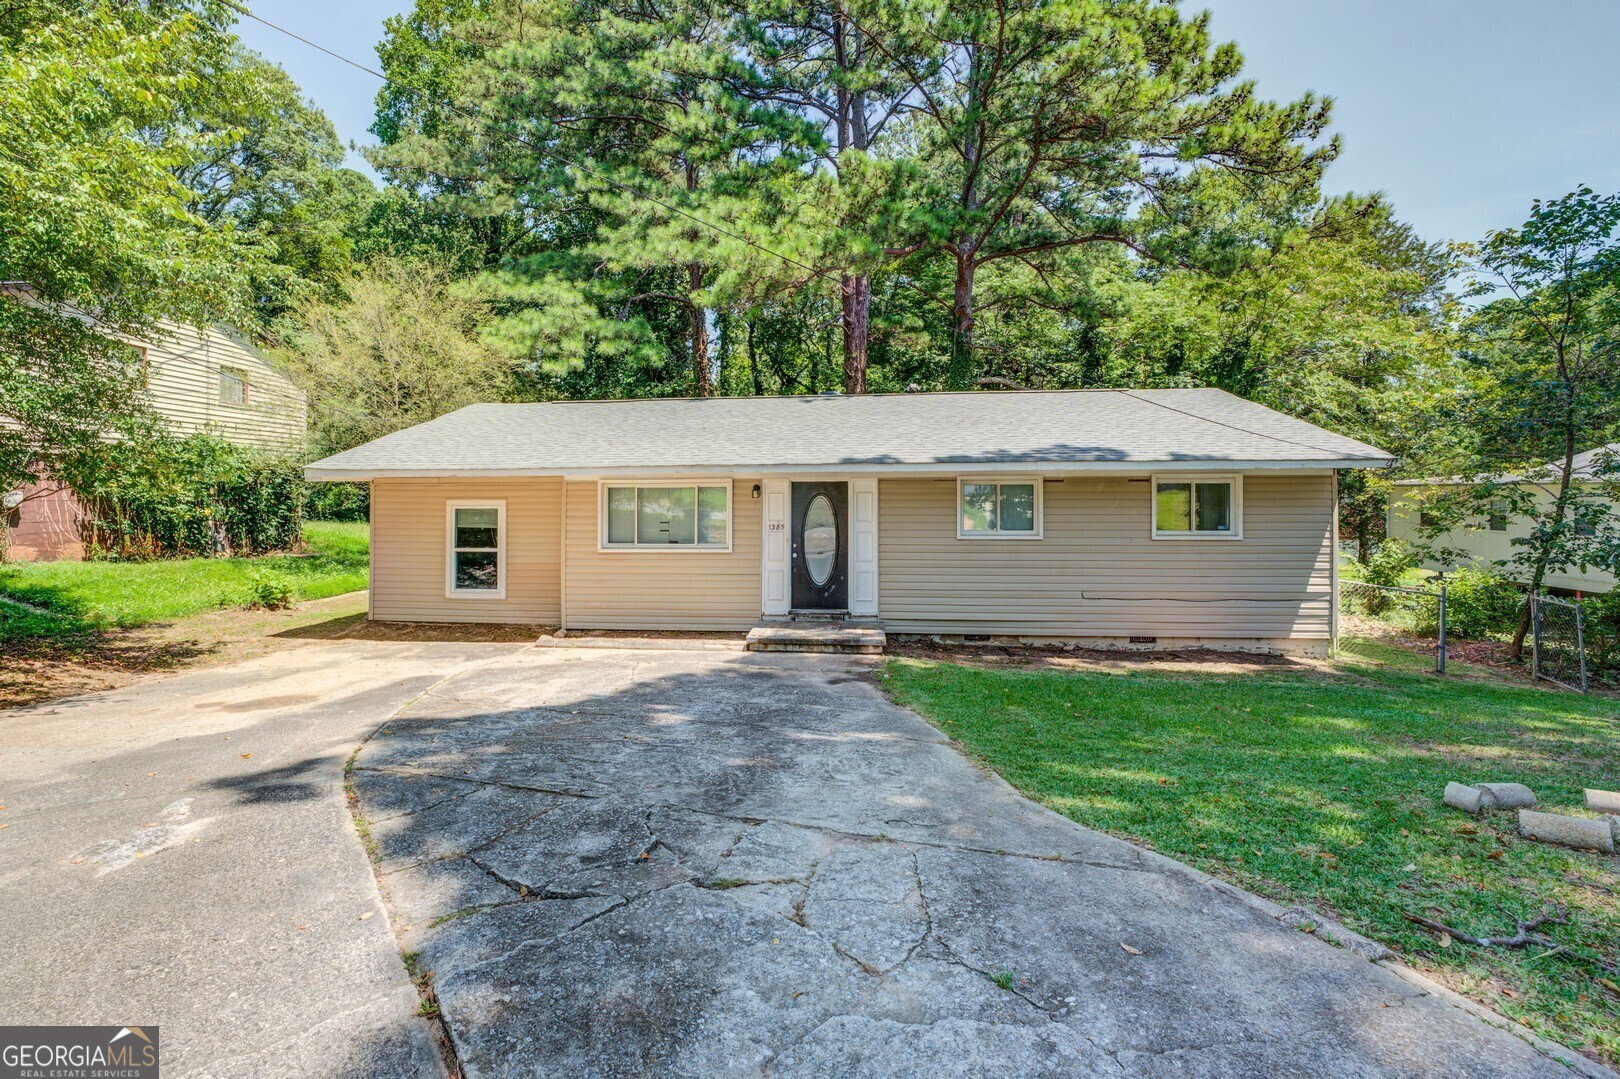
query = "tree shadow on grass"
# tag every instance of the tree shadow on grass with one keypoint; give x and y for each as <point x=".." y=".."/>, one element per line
<point x="43" y="668"/>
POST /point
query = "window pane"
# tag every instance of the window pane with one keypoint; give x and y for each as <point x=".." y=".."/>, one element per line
<point x="1214" y="507"/>
<point x="978" y="507"/>
<point x="1172" y="507"/>
<point x="712" y="515"/>
<point x="1018" y="507"/>
<point x="665" y="515"/>
<point x="820" y="539"/>
<point x="1498" y="520"/>
<point x="478" y="527"/>
<point x="232" y="387"/>
<point x="477" y="570"/>
<point x="621" y="515"/>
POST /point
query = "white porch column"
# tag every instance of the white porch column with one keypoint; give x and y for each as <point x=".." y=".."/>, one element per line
<point x="863" y="544"/>
<point x="775" y="595"/>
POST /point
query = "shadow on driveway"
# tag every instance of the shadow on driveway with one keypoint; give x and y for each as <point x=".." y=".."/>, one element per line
<point x="618" y="862"/>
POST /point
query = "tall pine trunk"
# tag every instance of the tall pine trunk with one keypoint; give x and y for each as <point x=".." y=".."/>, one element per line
<point x="856" y="296"/>
<point x="753" y="362"/>
<point x="702" y="382"/>
<point x="960" y="374"/>
<point x="855" y="289"/>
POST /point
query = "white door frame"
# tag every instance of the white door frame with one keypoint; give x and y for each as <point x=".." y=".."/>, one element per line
<point x="776" y="518"/>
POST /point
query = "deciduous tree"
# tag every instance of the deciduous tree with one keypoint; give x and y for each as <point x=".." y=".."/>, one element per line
<point x="93" y="215"/>
<point x="401" y="347"/>
<point x="1543" y="385"/>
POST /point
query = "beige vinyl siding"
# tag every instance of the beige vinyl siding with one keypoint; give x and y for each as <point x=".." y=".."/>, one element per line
<point x="1097" y="572"/>
<point x="684" y="589"/>
<point x="408" y="550"/>
<point x="182" y="383"/>
<point x="183" y="368"/>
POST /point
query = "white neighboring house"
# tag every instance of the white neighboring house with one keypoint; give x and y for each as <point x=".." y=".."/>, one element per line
<point x="1490" y="539"/>
<point x="210" y="381"/>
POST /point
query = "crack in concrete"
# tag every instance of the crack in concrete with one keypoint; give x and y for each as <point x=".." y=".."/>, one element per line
<point x="534" y="941"/>
<point x="525" y="788"/>
<point x="927" y="913"/>
<point x="797" y="917"/>
<point x="418" y="809"/>
<point x="517" y="887"/>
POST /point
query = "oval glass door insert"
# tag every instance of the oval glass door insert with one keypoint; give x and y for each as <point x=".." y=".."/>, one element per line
<point x="820" y="539"/>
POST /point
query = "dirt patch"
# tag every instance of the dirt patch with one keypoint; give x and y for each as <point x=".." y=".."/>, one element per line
<point x="652" y="635"/>
<point x="1491" y="659"/>
<point x="356" y="627"/>
<point x="50" y="668"/>
<point x="43" y="670"/>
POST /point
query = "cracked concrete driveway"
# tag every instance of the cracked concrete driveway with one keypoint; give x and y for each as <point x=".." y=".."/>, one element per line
<point x="178" y="853"/>
<point x="620" y="862"/>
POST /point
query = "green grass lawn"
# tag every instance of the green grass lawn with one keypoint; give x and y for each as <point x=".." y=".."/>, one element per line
<point x="1324" y="789"/>
<point x="85" y="596"/>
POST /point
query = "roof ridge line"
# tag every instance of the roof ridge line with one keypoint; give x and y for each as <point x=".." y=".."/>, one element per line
<point x="1234" y="427"/>
<point x="1128" y="390"/>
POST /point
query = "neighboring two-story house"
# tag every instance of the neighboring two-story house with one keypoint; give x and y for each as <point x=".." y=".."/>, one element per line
<point x="199" y="381"/>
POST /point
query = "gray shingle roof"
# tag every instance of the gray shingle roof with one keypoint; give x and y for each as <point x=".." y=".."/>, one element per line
<point x="1102" y="429"/>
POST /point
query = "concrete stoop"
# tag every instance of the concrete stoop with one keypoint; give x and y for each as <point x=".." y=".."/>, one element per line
<point x="851" y="638"/>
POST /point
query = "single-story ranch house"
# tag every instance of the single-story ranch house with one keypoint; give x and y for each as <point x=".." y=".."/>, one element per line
<point x="1168" y="518"/>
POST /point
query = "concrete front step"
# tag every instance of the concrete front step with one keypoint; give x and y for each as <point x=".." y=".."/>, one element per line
<point x="841" y="637"/>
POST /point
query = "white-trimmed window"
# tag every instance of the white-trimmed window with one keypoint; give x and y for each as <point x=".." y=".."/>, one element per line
<point x="475" y="550"/>
<point x="233" y="386"/>
<point x="664" y="516"/>
<point x="1197" y="507"/>
<point x="998" y="507"/>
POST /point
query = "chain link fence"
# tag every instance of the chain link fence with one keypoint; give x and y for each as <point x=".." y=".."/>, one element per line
<point x="1417" y="612"/>
<point x="1558" y="642"/>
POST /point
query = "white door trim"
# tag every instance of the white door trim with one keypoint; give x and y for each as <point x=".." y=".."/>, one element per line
<point x="776" y="594"/>
<point x="863" y="546"/>
<point x="776" y="518"/>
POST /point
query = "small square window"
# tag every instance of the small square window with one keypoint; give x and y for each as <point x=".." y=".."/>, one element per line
<point x="998" y="509"/>
<point x="1196" y="508"/>
<point x="233" y="386"/>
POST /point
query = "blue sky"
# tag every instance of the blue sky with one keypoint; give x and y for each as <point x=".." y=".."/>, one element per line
<point x="1461" y="110"/>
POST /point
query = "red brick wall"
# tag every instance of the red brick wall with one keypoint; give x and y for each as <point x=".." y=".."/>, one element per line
<point x="46" y="526"/>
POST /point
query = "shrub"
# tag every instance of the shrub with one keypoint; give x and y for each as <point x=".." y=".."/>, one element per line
<point x="1389" y="562"/>
<point x="1601" y="629"/>
<point x="271" y="591"/>
<point x="164" y="497"/>
<point x="1479" y="604"/>
<point x="338" y="502"/>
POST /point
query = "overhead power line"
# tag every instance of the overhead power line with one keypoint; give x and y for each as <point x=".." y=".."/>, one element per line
<point x="629" y="189"/>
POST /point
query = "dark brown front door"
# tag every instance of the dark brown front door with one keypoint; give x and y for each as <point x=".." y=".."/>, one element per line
<point x="820" y="541"/>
